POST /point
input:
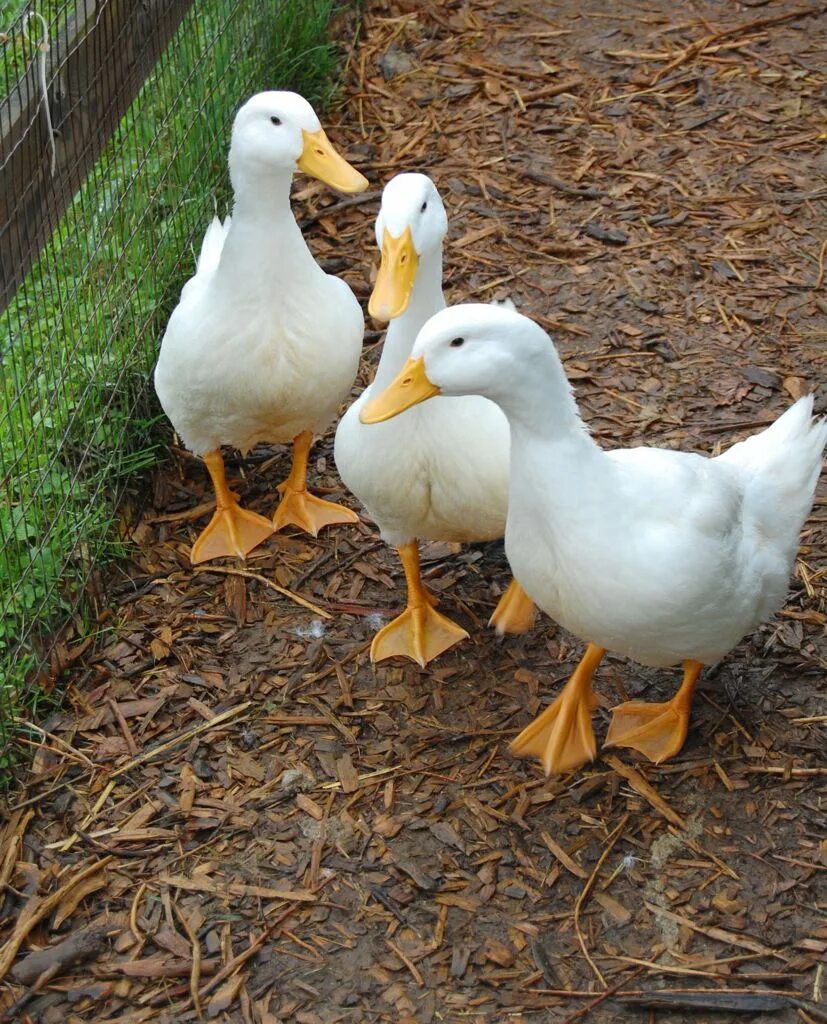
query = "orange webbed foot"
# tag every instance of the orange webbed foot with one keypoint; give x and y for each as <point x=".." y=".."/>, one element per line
<point x="232" y="532"/>
<point x="420" y="633"/>
<point x="309" y="513"/>
<point x="515" y="611"/>
<point x="657" y="730"/>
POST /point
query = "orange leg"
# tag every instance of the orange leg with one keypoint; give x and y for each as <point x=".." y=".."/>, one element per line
<point x="562" y="736"/>
<point x="232" y="530"/>
<point x="420" y="632"/>
<point x="300" y="508"/>
<point x="658" y="731"/>
<point x="515" y="612"/>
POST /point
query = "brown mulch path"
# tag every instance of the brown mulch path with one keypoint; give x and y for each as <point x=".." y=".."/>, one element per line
<point x="237" y="815"/>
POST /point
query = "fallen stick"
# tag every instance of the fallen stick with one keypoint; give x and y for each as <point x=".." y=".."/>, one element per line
<point x="181" y="738"/>
<point x="234" y="965"/>
<point x="38" y="910"/>
<point x="710" y="1001"/>
<point x="726" y="1000"/>
<point x="10" y="859"/>
<point x="247" y="574"/>
<point x="75" y="949"/>
<point x="642" y="788"/>
<point x="159" y="967"/>
<point x="584" y="894"/>
<point x="17" y="1007"/>
<point x="552" y="90"/>
<point x="241" y="958"/>
<point x="580" y="192"/>
<point x="342" y="204"/>
<point x="609" y="993"/>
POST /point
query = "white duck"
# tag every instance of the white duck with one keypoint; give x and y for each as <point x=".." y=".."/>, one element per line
<point x="662" y="556"/>
<point x="263" y="345"/>
<point x="439" y="472"/>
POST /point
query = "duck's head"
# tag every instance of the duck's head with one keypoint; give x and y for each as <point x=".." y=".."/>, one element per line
<point x="278" y="133"/>
<point x="411" y="224"/>
<point x="471" y="349"/>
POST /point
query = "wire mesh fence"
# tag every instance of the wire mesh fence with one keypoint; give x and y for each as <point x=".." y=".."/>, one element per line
<point x="96" y="238"/>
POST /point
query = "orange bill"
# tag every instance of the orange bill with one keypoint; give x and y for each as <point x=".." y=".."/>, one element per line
<point x="410" y="387"/>
<point x="396" y="277"/>
<point x="320" y="160"/>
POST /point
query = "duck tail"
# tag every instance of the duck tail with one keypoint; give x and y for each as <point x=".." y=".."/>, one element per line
<point x="781" y="466"/>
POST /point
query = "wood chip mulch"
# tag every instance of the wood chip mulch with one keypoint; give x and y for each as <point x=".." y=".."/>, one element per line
<point x="235" y="816"/>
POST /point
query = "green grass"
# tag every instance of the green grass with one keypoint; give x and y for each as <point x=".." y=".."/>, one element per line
<point x="78" y="414"/>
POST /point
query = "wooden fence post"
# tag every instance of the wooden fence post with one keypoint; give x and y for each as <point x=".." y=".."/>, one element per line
<point x="94" y="69"/>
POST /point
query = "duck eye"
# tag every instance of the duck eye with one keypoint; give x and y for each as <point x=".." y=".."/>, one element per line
<point x="423" y="208"/>
<point x="275" y="120"/>
<point x="457" y="342"/>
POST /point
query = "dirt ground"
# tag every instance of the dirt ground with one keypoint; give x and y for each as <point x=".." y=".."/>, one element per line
<point x="247" y="810"/>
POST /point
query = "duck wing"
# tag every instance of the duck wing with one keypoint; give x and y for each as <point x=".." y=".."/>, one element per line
<point x="208" y="259"/>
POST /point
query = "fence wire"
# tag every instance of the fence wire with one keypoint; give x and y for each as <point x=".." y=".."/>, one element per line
<point x="79" y="335"/>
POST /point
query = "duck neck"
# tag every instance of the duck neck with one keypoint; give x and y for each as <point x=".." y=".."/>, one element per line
<point x="555" y="464"/>
<point x="542" y="412"/>
<point x="263" y="198"/>
<point x="264" y="237"/>
<point x="426" y="299"/>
